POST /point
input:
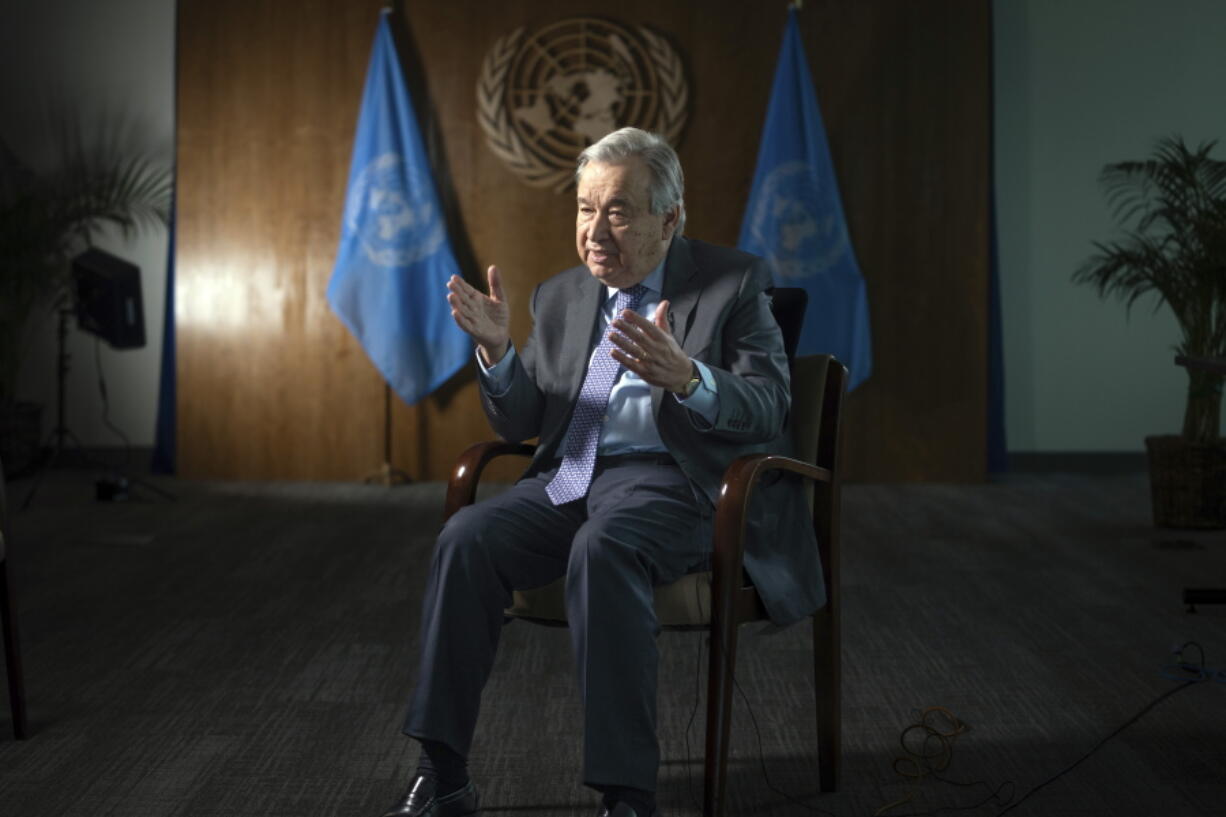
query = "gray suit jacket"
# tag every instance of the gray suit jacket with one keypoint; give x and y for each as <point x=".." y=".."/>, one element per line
<point x="721" y="316"/>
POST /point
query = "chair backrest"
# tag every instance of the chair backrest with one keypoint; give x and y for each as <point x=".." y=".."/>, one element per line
<point x="788" y="306"/>
<point x="817" y="386"/>
<point x="819" y="383"/>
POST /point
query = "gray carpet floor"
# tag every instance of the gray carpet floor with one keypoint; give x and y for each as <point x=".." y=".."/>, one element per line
<point x="248" y="650"/>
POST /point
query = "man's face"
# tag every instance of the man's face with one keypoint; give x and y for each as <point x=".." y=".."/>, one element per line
<point x="618" y="238"/>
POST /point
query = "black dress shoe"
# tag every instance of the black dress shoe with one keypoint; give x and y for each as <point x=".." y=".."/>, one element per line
<point x="421" y="800"/>
<point x="622" y="810"/>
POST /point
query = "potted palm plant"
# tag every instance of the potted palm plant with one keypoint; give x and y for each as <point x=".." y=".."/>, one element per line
<point x="47" y="217"/>
<point x="1172" y="209"/>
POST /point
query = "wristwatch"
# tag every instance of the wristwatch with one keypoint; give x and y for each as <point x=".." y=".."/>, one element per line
<point x="693" y="383"/>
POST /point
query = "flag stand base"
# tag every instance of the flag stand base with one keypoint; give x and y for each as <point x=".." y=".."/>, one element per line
<point x="388" y="475"/>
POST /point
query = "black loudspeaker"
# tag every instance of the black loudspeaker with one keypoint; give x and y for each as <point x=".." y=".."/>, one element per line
<point x="108" y="298"/>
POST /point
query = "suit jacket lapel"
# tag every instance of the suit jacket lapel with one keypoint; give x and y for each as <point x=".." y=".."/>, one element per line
<point x="583" y="307"/>
<point x="682" y="290"/>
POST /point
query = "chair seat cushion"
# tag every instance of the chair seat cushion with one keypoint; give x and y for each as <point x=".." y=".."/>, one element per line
<point x="684" y="603"/>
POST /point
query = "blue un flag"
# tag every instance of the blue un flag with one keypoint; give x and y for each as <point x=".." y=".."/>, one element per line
<point x="394" y="259"/>
<point x="795" y="217"/>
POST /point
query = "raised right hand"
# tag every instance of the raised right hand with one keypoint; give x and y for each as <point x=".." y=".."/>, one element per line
<point x="486" y="318"/>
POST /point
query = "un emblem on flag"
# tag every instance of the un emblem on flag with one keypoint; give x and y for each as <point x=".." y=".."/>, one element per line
<point x="390" y="212"/>
<point x="545" y="96"/>
<point x="799" y="236"/>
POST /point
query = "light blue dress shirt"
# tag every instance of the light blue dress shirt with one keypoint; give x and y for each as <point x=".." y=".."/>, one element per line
<point x="628" y="427"/>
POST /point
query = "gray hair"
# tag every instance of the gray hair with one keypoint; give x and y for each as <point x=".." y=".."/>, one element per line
<point x="667" y="186"/>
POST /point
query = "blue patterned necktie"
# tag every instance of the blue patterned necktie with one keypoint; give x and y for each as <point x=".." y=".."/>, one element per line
<point x="579" y="461"/>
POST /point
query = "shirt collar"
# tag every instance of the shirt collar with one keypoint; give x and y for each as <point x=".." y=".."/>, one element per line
<point x="654" y="281"/>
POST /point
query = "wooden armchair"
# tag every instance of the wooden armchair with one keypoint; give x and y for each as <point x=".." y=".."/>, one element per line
<point x="722" y="599"/>
<point x="8" y="619"/>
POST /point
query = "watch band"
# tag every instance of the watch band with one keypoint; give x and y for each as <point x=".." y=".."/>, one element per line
<point x="693" y="383"/>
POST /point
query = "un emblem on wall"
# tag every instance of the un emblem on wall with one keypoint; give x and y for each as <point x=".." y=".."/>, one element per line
<point x="544" y="97"/>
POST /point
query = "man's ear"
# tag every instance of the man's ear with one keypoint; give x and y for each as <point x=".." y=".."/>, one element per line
<point x="671" y="219"/>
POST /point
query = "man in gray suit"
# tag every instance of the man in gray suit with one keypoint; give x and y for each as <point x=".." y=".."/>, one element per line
<point x="650" y="367"/>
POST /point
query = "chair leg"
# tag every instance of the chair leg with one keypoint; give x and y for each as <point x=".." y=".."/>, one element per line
<point x="827" y="678"/>
<point x="12" y="654"/>
<point x="719" y="713"/>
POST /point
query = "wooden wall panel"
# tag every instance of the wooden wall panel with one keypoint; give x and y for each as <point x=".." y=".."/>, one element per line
<point x="271" y="385"/>
<point x="264" y="151"/>
<point x="904" y="91"/>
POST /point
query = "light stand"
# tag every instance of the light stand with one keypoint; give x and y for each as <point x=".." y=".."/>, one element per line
<point x="106" y="291"/>
<point x="62" y="433"/>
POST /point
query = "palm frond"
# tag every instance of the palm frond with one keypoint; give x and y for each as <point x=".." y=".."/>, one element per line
<point x="1171" y="208"/>
<point x="101" y="176"/>
<point x="1163" y="191"/>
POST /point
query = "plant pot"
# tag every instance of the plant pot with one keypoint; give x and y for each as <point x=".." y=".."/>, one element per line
<point x="1187" y="482"/>
<point x="21" y="434"/>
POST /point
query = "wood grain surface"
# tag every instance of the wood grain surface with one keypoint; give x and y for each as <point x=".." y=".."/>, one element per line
<point x="272" y="386"/>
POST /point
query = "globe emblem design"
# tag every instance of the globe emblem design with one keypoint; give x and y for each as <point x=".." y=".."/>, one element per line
<point x="571" y="84"/>
<point x="390" y="213"/>
<point x="799" y="237"/>
<point x="545" y="96"/>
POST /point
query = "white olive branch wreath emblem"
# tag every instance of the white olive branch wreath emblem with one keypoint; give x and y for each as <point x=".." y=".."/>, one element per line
<point x="540" y="168"/>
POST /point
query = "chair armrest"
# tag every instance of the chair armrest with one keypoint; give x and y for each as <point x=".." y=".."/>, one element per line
<point x="731" y="514"/>
<point x="462" y="487"/>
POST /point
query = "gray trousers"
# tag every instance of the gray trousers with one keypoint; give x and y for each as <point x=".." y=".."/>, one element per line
<point x="639" y="526"/>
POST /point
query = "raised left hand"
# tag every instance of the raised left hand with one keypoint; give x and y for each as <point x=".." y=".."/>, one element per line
<point x="649" y="349"/>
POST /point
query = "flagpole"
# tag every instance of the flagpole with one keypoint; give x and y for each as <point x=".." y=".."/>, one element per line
<point x="387" y="475"/>
<point x="435" y="146"/>
<point x="390" y="150"/>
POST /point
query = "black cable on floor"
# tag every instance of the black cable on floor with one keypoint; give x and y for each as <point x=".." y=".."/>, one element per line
<point x="106" y="406"/>
<point x="1188" y="673"/>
